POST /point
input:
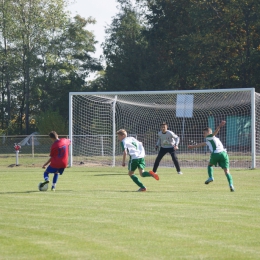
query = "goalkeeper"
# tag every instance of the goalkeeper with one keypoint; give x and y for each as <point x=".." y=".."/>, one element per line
<point x="168" y="143"/>
<point x="218" y="154"/>
<point x="136" y="152"/>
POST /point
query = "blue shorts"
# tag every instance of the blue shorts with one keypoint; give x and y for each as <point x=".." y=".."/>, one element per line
<point x="54" y="170"/>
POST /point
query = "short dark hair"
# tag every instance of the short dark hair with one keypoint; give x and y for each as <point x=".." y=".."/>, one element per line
<point x="53" y="135"/>
<point x="208" y="129"/>
<point x="164" y="123"/>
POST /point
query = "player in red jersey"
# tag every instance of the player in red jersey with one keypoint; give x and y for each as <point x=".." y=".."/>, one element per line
<point x="58" y="159"/>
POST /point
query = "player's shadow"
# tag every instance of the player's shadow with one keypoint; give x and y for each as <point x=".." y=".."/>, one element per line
<point x="19" y="192"/>
<point x="160" y="191"/>
<point x="32" y="191"/>
<point x="109" y="174"/>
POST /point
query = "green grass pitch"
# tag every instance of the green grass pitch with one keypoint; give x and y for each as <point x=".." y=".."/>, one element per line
<point x="95" y="213"/>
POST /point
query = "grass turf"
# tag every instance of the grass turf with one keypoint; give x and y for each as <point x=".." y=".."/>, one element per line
<point x="95" y="213"/>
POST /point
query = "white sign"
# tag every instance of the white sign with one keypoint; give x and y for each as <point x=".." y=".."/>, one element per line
<point x="184" y="107"/>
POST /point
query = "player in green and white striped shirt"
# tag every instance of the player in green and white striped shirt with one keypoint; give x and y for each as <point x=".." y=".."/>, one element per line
<point x="218" y="154"/>
<point x="136" y="151"/>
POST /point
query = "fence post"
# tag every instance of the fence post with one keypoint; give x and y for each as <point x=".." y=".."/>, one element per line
<point x="32" y="146"/>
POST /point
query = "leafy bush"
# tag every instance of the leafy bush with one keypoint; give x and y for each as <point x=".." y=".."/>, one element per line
<point x="51" y="121"/>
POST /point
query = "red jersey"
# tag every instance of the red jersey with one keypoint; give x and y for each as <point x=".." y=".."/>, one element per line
<point x="60" y="153"/>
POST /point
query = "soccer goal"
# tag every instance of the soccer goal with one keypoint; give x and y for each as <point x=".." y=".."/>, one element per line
<point x="94" y="118"/>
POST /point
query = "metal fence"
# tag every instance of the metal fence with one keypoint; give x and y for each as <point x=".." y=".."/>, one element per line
<point x="34" y="149"/>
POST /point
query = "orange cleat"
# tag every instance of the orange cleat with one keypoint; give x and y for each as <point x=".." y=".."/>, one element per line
<point x="155" y="175"/>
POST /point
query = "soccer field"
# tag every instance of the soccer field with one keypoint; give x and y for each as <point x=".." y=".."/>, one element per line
<point x="95" y="213"/>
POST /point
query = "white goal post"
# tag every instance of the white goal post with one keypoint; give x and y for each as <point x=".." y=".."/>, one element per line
<point x="94" y="118"/>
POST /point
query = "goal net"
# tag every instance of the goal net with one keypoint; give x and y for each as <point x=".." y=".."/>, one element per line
<point x="96" y="116"/>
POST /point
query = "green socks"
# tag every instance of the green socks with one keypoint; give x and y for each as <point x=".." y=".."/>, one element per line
<point x="146" y="174"/>
<point x="136" y="181"/>
<point x="229" y="178"/>
<point x="210" y="171"/>
<point x="228" y="175"/>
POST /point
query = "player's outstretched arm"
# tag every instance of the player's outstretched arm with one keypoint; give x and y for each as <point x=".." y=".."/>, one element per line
<point x="197" y="145"/>
<point x="218" y="128"/>
<point x="44" y="166"/>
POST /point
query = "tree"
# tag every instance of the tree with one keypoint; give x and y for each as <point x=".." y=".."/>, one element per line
<point x="67" y="64"/>
<point x="49" y="121"/>
<point x="204" y="44"/>
<point x="6" y="70"/>
<point x="125" y="52"/>
<point x="186" y="44"/>
<point x="45" y="55"/>
<point x="27" y="25"/>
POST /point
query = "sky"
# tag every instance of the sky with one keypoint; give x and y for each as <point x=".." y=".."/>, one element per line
<point x="102" y="11"/>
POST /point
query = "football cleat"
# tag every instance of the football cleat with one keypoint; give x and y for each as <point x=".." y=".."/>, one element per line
<point x="180" y="173"/>
<point x="155" y="175"/>
<point x="43" y="183"/>
<point x="142" y="189"/>
<point x="232" y="188"/>
<point x="209" y="180"/>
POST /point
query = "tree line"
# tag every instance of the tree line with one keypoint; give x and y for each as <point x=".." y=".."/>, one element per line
<point x="185" y="44"/>
<point x="44" y="54"/>
<point x="149" y="45"/>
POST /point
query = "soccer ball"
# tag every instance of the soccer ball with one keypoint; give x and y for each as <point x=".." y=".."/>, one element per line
<point x="44" y="188"/>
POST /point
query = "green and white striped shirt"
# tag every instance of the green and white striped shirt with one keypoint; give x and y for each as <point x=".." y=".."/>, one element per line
<point x="134" y="148"/>
<point x="214" y="144"/>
